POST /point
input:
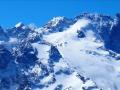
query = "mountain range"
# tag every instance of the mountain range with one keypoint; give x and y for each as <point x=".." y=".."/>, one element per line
<point x="80" y="53"/>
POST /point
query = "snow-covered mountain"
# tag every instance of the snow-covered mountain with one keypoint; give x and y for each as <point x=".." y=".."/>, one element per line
<point x="81" y="53"/>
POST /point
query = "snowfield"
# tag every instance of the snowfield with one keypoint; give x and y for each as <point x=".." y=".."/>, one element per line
<point x="101" y="69"/>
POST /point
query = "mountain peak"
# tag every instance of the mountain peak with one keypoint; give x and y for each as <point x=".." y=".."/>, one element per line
<point x="18" y="25"/>
<point x="56" y="20"/>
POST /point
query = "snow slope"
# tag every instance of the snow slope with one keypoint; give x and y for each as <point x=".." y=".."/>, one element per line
<point x="85" y="56"/>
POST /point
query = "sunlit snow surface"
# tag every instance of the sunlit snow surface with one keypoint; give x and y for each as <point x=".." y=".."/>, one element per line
<point x="83" y="63"/>
<point x="102" y="70"/>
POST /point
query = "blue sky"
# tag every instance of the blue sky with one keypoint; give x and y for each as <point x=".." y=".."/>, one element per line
<point x="41" y="11"/>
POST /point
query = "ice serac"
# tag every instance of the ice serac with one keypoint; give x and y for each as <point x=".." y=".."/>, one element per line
<point x="64" y="54"/>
